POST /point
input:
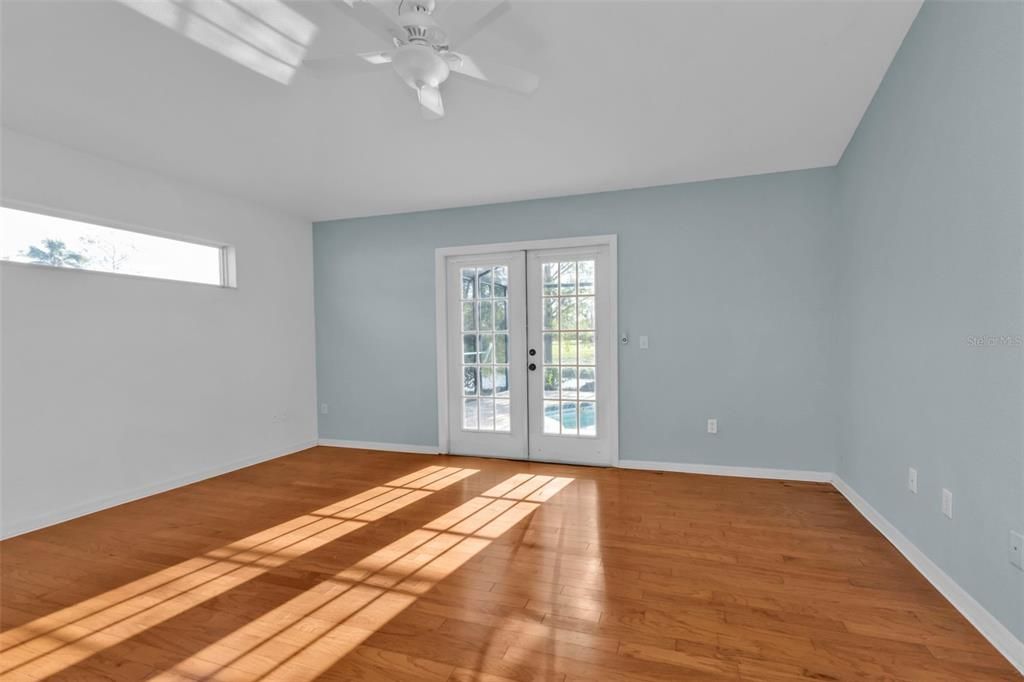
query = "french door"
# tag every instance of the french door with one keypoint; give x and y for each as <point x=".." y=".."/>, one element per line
<point x="486" y="344"/>
<point x="530" y="365"/>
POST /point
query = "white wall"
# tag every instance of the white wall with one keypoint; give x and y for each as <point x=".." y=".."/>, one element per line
<point x="117" y="387"/>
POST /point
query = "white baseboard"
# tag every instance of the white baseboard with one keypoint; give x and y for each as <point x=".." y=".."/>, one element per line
<point x="108" y="501"/>
<point x="369" y="445"/>
<point x="721" y="470"/>
<point x="994" y="631"/>
<point x="714" y="470"/>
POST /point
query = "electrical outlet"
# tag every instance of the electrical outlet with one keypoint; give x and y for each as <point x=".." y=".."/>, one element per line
<point x="712" y="426"/>
<point x="323" y="408"/>
<point x="1017" y="549"/>
<point x="947" y="503"/>
<point x="912" y="480"/>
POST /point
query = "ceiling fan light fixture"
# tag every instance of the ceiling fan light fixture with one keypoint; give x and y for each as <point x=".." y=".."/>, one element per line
<point x="418" y="66"/>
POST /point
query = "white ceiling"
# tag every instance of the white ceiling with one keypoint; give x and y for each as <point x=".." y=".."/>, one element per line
<point x="632" y="94"/>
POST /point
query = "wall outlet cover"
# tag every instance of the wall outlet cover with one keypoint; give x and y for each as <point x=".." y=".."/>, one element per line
<point x="712" y="426"/>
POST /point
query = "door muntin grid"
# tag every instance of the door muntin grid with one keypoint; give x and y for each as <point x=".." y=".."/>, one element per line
<point x="484" y="304"/>
<point x="569" y="347"/>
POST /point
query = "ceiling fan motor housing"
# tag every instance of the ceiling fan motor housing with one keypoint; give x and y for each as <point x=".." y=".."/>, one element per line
<point x="420" y="27"/>
<point x="419" y="66"/>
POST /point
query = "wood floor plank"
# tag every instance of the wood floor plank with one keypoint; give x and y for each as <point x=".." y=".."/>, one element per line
<point x="459" y="569"/>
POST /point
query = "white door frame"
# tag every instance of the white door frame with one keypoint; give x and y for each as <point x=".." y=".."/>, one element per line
<point x="441" y="256"/>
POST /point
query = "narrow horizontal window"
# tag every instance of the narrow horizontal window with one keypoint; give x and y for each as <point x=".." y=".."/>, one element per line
<point x="28" y="237"/>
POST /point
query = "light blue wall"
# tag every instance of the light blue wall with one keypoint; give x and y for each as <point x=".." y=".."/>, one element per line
<point x="733" y="281"/>
<point x="933" y="228"/>
<point x="816" y="314"/>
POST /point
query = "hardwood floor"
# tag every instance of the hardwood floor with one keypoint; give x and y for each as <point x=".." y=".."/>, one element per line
<point x="356" y="565"/>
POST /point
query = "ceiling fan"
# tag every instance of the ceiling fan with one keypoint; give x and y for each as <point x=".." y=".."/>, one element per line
<point x="422" y="55"/>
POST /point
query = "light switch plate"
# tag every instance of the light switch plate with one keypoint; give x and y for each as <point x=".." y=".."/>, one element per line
<point x="947" y="503"/>
<point x="643" y="343"/>
<point x="912" y="480"/>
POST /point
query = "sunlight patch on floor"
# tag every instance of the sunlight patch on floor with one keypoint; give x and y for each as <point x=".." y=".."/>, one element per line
<point x="305" y="636"/>
<point x="54" y="642"/>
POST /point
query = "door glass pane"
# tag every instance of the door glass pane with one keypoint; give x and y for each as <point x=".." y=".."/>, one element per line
<point x="468" y="284"/>
<point x="501" y="382"/>
<point x="567" y="348"/>
<point x="586" y="348"/>
<point x="569" y="418"/>
<point x="550" y="279"/>
<point x="551" y="313"/>
<point x="569" y="354"/>
<point x="469" y="417"/>
<point x="469" y="380"/>
<point x="486" y="320"/>
<point x="550" y="349"/>
<point x="486" y="415"/>
<point x="569" y="386"/>
<point x="501" y="348"/>
<point x="586" y="312"/>
<point x="501" y="315"/>
<point x="588" y="419"/>
<point x="469" y="349"/>
<point x="485" y="347"/>
<point x="567" y="312"/>
<point x="567" y="278"/>
<point x="585" y="277"/>
<point x="587" y="383"/>
<point x="501" y="281"/>
<point x="484" y="279"/>
<point x="552" y="422"/>
<point x="551" y="382"/>
<point x="484" y="294"/>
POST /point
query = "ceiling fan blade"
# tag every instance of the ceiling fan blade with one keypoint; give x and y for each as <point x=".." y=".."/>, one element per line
<point x="430" y="102"/>
<point x="501" y="75"/>
<point x="376" y="57"/>
<point x="466" y="18"/>
<point x="334" y="67"/>
<point x="371" y="17"/>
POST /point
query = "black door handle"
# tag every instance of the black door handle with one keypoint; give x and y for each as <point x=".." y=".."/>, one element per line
<point x="533" y="366"/>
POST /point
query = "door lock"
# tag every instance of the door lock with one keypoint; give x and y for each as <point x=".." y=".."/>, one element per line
<point x="533" y="366"/>
<point x="533" y="351"/>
